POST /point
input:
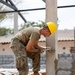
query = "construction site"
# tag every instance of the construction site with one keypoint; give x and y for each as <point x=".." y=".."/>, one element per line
<point x="60" y="61"/>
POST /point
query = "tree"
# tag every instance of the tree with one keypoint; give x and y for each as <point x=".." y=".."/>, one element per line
<point x="32" y="24"/>
<point x="5" y="8"/>
<point x="2" y="16"/>
<point x="4" y="31"/>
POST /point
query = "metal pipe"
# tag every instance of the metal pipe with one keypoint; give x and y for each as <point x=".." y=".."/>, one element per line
<point x="16" y="10"/>
<point x="32" y="9"/>
<point x="22" y="10"/>
<point x="13" y="7"/>
<point x="74" y="36"/>
<point x="5" y="3"/>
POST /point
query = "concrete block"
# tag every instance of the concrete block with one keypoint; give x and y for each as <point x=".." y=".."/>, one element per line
<point x="64" y="73"/>
<point x="64" y="64"/>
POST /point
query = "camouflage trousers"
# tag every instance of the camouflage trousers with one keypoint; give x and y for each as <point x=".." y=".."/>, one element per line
<point x="21" y="57"/>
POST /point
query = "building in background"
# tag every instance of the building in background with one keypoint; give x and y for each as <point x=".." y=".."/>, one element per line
<point x="65" y="42"/>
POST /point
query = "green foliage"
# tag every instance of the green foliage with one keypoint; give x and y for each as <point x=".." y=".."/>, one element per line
<point x="4" y="31"/>
<point x="32" y="24"/>
<point x="2" y="16"/>
<point x="41" y="24"/>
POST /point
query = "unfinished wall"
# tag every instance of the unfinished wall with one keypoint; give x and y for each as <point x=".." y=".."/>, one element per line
<point x="65" y="46"/>
<point x="5" y="49"/>
<point x="65" y="65"/>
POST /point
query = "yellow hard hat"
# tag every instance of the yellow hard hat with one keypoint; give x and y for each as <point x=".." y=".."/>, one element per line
<point x="52" y="27"/>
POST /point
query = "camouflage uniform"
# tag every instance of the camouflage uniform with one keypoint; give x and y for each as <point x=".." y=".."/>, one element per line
<point x="21" y="57"/>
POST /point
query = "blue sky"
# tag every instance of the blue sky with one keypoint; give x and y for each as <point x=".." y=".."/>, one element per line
<point x="66" y="17"/>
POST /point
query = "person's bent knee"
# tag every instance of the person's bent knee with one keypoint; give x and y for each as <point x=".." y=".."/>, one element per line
<point x="22" y="65"/>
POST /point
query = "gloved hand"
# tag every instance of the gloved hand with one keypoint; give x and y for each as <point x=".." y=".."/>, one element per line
<point x="46" y="48"/>
<point x="41" y="51"/>
<point x="50" y="49"/>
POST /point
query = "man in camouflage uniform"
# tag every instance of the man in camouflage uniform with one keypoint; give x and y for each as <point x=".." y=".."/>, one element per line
<point x="25" y="44"/>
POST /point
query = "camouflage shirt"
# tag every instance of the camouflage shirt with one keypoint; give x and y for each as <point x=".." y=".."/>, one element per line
<point x="31" y="33"/>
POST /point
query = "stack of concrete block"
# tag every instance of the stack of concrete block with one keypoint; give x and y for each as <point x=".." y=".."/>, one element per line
<point x="65" y="65"/>
<point x="73" y="64"/>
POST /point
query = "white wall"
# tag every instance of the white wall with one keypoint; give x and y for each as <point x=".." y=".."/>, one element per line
<point x="66" y="44"/>
<point x="6" y="50"/>
<point x="61" y="44"/>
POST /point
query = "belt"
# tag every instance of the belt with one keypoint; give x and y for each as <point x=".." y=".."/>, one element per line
<point x="19" y="41"/>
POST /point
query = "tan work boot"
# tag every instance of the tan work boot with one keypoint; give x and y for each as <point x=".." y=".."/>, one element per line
<point x="36" y="73"/>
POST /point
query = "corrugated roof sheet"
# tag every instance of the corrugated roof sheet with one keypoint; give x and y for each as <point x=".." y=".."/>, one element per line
<point x="63" y="35"/>
<point x="6" y="39"/>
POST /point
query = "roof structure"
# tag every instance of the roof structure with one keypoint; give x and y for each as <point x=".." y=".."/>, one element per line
<point x="10" y="4"/>
<point x="6" y="38"/>
<point x="63" y="35"/>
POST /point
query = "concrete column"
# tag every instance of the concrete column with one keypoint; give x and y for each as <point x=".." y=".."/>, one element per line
<point x="51" y="15"/>
<point x="15" y="22"/>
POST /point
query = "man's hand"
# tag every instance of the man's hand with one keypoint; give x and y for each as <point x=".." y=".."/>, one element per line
<point x="41" y="51"/>
<point x="50" y="49"/>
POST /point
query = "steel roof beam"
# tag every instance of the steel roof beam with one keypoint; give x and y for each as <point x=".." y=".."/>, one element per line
<point x="11" y="5"/>
<point x="68" y="6"/>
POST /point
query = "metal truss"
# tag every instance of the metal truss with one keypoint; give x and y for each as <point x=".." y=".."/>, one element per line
<point x="68" y="6"/>
<point x="10" y="4"/>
